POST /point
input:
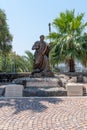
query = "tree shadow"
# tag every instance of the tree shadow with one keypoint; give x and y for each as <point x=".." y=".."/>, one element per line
<point x="32" y="103"/>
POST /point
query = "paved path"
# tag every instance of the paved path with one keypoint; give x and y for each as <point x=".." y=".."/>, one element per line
<point x="65" y="113"/>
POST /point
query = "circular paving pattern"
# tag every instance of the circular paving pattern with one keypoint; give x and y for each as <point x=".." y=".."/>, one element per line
<point x="43" y="113"/>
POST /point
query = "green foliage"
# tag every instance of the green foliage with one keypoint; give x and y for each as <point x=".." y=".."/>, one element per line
<point x="67" y="43"/>
<point x="21" y="63"/>
<point x="16" y="63"/>
<point x="5" y="35"/>
<point x="29" y="59"/>
<point x="5" y="39"/>
<point x="83" y="49"/>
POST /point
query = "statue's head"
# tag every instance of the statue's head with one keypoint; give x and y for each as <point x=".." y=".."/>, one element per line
<point x="41" y="37"/>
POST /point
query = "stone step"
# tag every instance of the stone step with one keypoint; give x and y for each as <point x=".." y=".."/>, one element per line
<point x="44" y="91"/>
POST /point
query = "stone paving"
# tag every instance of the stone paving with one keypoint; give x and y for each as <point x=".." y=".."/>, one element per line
<point x="52" y="113"/>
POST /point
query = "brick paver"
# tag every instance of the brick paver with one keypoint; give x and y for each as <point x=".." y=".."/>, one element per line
<point x="64" y="113"/>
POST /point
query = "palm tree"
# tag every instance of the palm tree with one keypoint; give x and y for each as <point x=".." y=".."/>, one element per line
<point x="65" y="44"/>
<point x="83" y="52"/>
<point x="17" y="63"/>
<point x="29" y="59"/>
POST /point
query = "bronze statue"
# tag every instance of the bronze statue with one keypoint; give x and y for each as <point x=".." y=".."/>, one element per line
<point x="41" y="58"/>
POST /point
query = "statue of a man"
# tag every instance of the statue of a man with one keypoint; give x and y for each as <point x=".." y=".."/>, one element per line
<point x="41" y="56"/>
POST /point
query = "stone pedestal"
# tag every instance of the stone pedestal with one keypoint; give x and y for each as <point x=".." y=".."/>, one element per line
<point x="13" y="90"/>
<point x="41" y="87"/>
<point x="74" y="89"/>
<point x="42" y="82"/>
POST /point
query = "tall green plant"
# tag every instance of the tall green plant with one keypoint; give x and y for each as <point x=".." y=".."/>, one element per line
<point x="5" y="38"/>
<point x="65" y="44"/>
<point x="29" y="59"/>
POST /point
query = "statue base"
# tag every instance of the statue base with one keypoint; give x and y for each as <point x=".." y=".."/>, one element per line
<point x="42" y="82"/>
<point x="42" y="74"/>
<point x="42" y="87"/>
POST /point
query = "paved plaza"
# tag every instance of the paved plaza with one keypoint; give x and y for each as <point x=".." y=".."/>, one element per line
<point x="51" y="113"/>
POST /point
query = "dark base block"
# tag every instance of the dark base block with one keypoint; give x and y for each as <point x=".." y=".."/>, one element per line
<point x="43" y="92"/>
<point x="42" y="74"/>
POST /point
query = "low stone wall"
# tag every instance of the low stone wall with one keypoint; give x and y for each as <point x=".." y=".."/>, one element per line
<point x="8" y="77"/>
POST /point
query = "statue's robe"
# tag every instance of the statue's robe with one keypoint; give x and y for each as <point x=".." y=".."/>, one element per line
<point x="41" y="56"/>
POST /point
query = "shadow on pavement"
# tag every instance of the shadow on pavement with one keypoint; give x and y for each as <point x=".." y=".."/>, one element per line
<point x="33" y="104"/>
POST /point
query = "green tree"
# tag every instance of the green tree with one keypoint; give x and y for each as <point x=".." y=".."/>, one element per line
<point x="66" y="42"/>
<point x="5" y="38"/>
<point x="17" y="63"/>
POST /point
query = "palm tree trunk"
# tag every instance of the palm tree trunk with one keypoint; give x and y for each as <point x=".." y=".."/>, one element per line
<point x="71" y="65"/>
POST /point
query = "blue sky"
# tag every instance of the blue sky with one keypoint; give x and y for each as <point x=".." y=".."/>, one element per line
<point x="28" y="19"/>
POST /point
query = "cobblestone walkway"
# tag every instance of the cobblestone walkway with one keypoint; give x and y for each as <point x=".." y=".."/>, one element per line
<point x="65" y="113"/>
